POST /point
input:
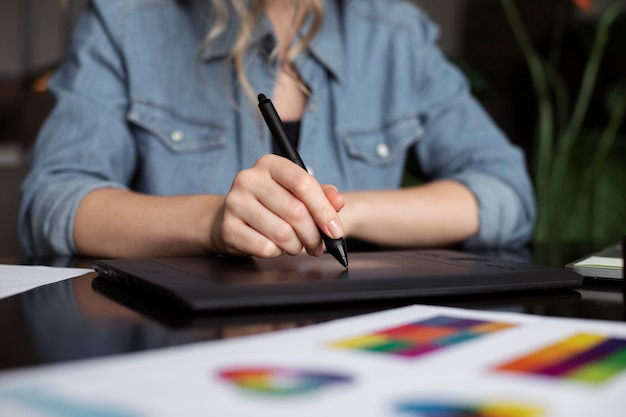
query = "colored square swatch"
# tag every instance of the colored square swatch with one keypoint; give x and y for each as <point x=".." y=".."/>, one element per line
<point x="278" y="381"/>
<point x="418" y="338"/>
<point x="439" y="408"/>
<point x="583" y="357"/>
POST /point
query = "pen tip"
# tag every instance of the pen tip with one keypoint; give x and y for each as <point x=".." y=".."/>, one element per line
<point x="341" y="258"/>
<point x="262" y="97"/>
<point x="340" y="253"/>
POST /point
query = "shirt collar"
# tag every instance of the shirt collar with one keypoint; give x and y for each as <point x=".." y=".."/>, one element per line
<point x="327" y="46"/>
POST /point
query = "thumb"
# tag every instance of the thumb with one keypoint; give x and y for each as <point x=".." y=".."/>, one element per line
<point x="334" y="196"/>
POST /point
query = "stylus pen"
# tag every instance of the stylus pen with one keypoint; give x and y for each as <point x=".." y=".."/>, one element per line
<point x="336" y="247"/>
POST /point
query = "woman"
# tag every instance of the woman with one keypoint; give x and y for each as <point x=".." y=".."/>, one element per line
<point x="155" y="146"/>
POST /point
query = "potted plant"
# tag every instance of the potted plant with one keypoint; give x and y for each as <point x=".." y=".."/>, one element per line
<point x="579" y="170"/>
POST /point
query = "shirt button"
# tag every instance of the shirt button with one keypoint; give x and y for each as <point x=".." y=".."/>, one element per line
<point x="177" y="136"/>
<point x="382" y="150"/>
<point x="312" y="107"/>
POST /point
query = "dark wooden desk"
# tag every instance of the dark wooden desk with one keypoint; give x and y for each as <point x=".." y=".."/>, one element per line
<point x="71" y="320"/>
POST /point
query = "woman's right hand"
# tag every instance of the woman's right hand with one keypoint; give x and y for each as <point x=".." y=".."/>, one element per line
<point x="276" y="207"/>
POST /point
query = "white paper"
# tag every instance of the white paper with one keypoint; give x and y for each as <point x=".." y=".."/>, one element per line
<point x="189" y="380"/>
<point x="15" y="279"/>
<point x="601" y="261"/>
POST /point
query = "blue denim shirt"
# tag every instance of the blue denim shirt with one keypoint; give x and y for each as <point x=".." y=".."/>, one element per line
<point x="140" y="106"/>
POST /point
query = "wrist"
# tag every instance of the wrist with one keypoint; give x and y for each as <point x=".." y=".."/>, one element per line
<point x="207" y="229"/>
<point x="349" y="214"/>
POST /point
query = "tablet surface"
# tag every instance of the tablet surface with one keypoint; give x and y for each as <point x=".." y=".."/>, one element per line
<point x="218" y="283"/>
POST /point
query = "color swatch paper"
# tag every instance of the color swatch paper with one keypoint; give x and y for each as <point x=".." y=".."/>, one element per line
<point x="296" y="372"/>
<point x="583" y="357"/>
<point x="418" y="338"/>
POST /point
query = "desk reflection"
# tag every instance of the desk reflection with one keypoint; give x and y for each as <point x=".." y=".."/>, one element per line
<point x="71" y="320"/>
<point x="68" y="320"/>
<point x="83" y="318"/>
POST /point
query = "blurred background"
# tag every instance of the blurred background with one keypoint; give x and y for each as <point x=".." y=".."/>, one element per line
<point x="579" y="169"/>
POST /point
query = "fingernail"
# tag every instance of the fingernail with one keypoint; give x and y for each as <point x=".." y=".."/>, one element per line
<point x="334" y="229"/>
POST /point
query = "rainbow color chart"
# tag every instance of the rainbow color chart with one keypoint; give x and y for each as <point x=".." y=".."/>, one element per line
<point x="583" y="357"/>
<point x="440" y="408"/>
<point x="280" y="381"/>
<point x="416" y="339"/>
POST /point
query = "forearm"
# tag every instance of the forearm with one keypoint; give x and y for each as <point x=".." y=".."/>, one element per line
<point x="119" y="223"/>
<point x="436" y="214"/>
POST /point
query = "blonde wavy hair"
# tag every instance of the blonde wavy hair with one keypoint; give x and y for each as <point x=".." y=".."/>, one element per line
<point x="247" y="12"/>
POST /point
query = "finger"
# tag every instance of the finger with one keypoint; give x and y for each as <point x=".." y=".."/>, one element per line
<point x="241" y="239"/>
<point x="297" y="225"/>
<point x="334" y="196"/>
<point x="267" y="226"/>
<point x="306" y="189"/>
<point x="283" y="202"/>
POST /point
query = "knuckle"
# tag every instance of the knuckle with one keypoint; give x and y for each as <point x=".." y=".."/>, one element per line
<point x="268" y="250"/>
<point x="283" y="232"/>
<point x="232" y="202"/>
<point x="294" y="251"/>
<point x="304" y="182"/>
<point x="298" y="210"/>
<point x="265" y="160"/>
<point x="243" y="179"/>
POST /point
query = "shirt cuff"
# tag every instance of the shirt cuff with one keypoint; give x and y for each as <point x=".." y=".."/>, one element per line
<point x="53" y="214"/>
<point x="502" y="219"/>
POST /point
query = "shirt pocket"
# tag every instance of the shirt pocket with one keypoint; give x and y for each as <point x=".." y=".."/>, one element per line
<point x="177" y="133"/>
<point x="384" y="145"/>
<point x="375" y="157"/>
